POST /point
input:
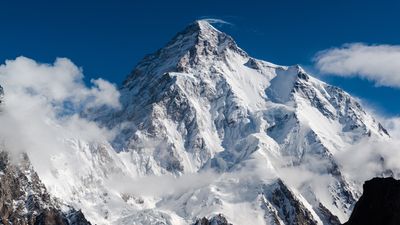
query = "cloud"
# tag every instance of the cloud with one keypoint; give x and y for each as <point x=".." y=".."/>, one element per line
<point x="162" y="185"/>
<point x="392" y="124"/>
<point x="377" y="63"/>
<point x="58" y="83"/>
<point x="375" y="156"/>
<point x="42" y="107"/>
<point x="216" y="21"/>
<point x="369" y="159"/>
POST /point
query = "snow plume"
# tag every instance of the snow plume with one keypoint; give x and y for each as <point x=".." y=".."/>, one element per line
<point x="216" y="21"/>
<point x="42" y="106"/>
<point x="377" y="63"/>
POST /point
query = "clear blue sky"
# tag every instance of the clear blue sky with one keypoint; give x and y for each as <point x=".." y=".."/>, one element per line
<point x="107" y="38"/>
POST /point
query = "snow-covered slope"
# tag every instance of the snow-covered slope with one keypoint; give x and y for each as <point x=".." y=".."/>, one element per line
<point x="269" y="133"/>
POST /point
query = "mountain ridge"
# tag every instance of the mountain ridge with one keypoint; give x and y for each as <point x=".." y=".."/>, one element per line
<point x="229" y="134"/>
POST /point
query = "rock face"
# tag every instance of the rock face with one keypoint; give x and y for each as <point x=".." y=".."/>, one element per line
<point x="291" y="210"/>
<point x="216" y="220"/>
<point x="379" y="204"/>
<point x="24" y="199"/>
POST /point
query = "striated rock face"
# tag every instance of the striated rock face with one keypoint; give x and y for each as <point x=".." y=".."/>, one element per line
<point x="290" y="209"/>
<point x="1" y="94"/>
<point x="379" y="204"/>
<point x="328" y="217"/>
<point x="24" y="199"/>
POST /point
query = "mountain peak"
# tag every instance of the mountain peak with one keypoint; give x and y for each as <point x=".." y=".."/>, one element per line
<point x="202" y="26"/>
<point x="197" y="31"/>
<point x="198" y="43"/>
<point x="202" y="33"/>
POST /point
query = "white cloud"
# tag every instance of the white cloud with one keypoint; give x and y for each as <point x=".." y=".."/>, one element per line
<point x="392" y="124"/>
<point x="373" y="157"/>
<point x="58" y="83"/>
<point x="162" y="185"/>
<point x="42" y="106"/>
<point x="377" y="63"/>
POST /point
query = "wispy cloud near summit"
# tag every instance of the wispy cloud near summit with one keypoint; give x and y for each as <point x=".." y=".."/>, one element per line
<point x="217" y="21"/>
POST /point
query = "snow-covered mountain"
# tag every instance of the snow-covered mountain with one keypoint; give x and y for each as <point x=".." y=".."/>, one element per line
<point x="205" y="130"/>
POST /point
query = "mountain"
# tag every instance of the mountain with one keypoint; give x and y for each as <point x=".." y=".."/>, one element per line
<point x="207" y="134"/>
<point x="379" y="203"/>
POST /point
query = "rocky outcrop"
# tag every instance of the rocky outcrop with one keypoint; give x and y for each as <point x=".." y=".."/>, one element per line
<point x="216" y="220"/>
<point x="379" y="204"/>
<point x="290" y="209"/>
<point x="327" y="215"/>
<point x="24" y="199"/>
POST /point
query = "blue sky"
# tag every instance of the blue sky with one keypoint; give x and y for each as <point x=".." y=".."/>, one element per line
<point x="107" y="38"/>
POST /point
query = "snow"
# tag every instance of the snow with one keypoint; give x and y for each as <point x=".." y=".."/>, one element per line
<point x="200" y="104"/>
<point x="282" y="85"/>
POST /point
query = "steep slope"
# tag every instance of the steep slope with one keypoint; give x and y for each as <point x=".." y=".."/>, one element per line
<point x="25" y="200"/>
<point x="270" y="133"/>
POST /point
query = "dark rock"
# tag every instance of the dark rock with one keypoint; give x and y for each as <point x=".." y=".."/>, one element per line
<point x="216" y="220"/>
<point x="381" y="128"/>
<point x="379" y="204"/>
<point x="327" y="216"/>
<point x="291" y="210"/>
<point x="51" y="216"/>
<point x="24" y="199"/>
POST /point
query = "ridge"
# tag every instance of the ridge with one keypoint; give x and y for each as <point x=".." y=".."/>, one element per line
<point x="198" y="43"/>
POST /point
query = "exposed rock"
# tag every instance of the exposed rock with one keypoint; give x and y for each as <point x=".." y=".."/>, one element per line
<point x="327" y="215"/>
<point x="216" y="220"/>
<point x="24" y="199"/>
<point x="379" y="204"/>
<point x="290" y="209"/>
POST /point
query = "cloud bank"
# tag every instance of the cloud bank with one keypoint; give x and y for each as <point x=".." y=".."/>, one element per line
<point x="377" y="63"/>
<point x="42" y="107"/>
<point x="162" y="185"/>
